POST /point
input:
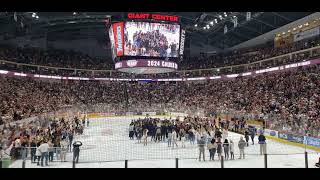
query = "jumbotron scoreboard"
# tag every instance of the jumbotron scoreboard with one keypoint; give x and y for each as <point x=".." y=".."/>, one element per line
<point x="147" y="43"/>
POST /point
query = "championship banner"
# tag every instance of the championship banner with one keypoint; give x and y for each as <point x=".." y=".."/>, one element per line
<point x="118" y="37"/>
<point x="113" y="49"/>
<point x="182" y="39"/>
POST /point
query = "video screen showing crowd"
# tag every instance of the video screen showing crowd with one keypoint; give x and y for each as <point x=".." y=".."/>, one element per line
<point x="206" y="133"/>
<point x="151" y="39"/>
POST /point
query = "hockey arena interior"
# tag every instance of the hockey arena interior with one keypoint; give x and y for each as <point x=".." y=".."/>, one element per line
<point x="159" y="89"/>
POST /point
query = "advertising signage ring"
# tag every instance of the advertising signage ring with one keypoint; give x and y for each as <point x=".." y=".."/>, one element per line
<point x="157" y="17"/>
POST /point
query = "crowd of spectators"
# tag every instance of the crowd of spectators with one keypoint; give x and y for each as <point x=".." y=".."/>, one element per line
<point x="246" y="56"/>
<point x="290" y="98"/>
<point x="75" y="61"/>
<point x="44" y="138"/>
<point x="53" y="58"/>
<point x="194" y="130"/>
<point x="287" y="101"/>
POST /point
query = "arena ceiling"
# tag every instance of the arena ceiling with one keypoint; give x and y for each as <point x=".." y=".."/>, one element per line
<point x="74" y="25"/>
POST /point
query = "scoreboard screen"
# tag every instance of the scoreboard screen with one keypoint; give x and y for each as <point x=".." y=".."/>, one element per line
<point x="146" y="40"/>
<point x="151" y="39"/>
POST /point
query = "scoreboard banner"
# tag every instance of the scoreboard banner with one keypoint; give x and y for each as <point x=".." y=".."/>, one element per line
<point x="112" y="43"/>
<point x="146" y="63"/>
<point x="118" y="30"/>
<point x="182" y="39"/>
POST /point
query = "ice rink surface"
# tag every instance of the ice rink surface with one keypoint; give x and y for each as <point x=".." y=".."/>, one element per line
<point x="106" y="145"/>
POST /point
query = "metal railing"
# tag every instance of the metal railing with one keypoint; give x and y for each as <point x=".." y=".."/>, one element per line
<point x="266" y="160"/>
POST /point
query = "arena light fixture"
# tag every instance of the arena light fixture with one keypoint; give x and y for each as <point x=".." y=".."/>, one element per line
<point x="37" y="17"/>
<point x="204" y="27"/>
<point x="289" y="31"/>
<point x="300" y="26"/>
<point x="33" y="15"/>
<point x="211" y="23"/>
<point x="216" y="20"/>
<point x="294" y="29"/>
<point x="284" y="33"/>
<point x="196" y="25"/>
<point x="74" y="13"/>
